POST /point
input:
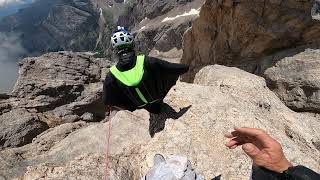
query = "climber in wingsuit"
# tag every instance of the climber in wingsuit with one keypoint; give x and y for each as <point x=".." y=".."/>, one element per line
<point x="138" y="81"/>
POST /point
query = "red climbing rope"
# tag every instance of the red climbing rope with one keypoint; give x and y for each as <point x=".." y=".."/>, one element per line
<point x="106" y="174"/>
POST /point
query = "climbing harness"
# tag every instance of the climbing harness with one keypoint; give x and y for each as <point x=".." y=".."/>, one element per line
<point x="131" y="82"/>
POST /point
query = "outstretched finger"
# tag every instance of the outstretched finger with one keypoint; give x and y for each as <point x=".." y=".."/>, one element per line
<point x="249" y="131"/>
<point x="235" y="141"/>
<point x="231" y="143"/>
<point x="233" y="134"/>
<point x="233" y="147"/>
<point x="229" y="135"/>
<point x="257" y="135"/>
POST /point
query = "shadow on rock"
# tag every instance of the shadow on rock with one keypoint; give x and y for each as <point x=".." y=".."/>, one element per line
<point x="158" y="121"/>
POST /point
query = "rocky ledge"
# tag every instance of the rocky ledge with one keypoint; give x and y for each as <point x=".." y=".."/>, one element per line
<point x="52" y="89"/>
<point x="192" y="124"/>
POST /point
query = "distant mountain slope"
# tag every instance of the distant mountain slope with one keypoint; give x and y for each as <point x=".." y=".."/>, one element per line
<point x="159" y="25"/>
<point x="8" y="9"/>
<point x="86" y="25"/>
<point x="50" y="25"/>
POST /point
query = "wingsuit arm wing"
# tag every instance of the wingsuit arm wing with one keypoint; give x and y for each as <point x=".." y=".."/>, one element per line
<point x="172" y="68"/>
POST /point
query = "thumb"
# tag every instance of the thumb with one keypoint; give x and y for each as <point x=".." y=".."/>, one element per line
<point x="251" y="150"/>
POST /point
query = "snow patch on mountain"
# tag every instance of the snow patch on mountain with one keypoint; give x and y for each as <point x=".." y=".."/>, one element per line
<point x="142" y="28"/>
<point x="192" y="12"/>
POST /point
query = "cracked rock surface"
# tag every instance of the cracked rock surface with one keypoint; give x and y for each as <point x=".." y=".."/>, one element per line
<point x="52" y="89"/>
<point x="249" y="34"/>
<point x="296" y="80"/>
<point x="221" y="98"/>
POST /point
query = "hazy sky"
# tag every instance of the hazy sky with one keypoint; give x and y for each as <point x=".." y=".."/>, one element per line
<point x="8" y="76"/>
<point x="8" y="7"/>
<point x="4" y="3"/>
<point x="10" y="51"/>
<point x="10" y="47"/>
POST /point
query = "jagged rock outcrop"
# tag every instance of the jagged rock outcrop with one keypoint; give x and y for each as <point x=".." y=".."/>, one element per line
<point x="221" y="99"/>
<point x="19" y="127"/>
<point x="64" y="85"/>
<point x="248" y="34"/>
<point x="71" y="148"/>
<point x="296" y="80"/>
<point x="52" y="89"/>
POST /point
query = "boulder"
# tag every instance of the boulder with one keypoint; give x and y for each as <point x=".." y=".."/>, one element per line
<point x="220" y="99"/>
<point x="247" y="33"/>
<point x="64" y="85"/>
<point x="43" y="142"/>
<point x="19" y="127"/>
<point x="70" y="146"/>
<point x="296" y="80"/>
<point x="83" y="167"/>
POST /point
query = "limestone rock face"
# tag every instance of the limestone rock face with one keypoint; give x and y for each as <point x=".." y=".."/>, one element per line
<point x="70" y="146"/>
<point x="220" y="99"/>
<point x="244" y="33"/>
<point x="64" y="85"/>
<point x="296" y="80"/>
<point x="19" y="127"/>
<point x="52" y="89"/>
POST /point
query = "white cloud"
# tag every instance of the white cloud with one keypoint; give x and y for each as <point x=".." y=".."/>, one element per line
<point x="10" y="52"/>
<point x="4" y="3"/>
<point x="10" y="47"/>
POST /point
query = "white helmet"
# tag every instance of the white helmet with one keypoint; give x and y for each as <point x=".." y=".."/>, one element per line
<point x="121" y="38"/>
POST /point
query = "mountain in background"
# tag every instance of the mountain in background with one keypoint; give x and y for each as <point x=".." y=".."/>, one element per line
<point x="43" y="26"/>
<point x="53" y="125"/>
<point x="6" y="10"/>
<point x="51" y="25"/>
<point x="86" y="25"/>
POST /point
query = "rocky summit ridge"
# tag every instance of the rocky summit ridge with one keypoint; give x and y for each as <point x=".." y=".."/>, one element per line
<point x="49" y="140"/>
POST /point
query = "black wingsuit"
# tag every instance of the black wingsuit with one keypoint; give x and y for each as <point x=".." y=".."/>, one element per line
<point x="159" y="76"/>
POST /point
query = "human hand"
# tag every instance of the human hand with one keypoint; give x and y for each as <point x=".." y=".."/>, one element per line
<point x="263" y="149"/>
